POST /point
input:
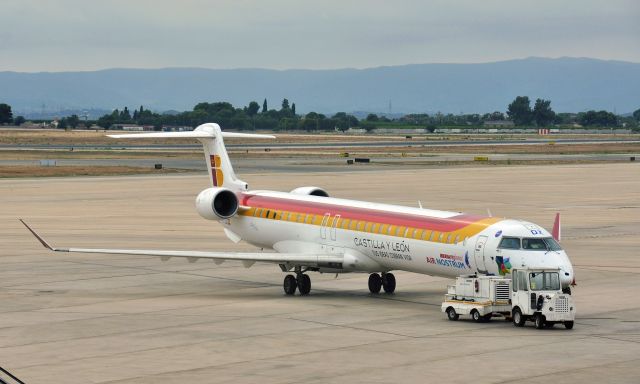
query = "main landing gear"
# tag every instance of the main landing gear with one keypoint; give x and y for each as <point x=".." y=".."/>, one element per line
<point x="301" y="281"/>
<point x="387" y="282"/>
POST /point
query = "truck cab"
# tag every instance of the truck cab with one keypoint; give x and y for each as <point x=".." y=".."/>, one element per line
<point x="536" y="295"/>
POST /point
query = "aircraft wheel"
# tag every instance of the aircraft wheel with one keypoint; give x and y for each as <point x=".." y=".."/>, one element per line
<point x="540" y="321"/>
<point x="568" y="324"/>
<point x="518" y="319"/>
<point x="389" y="282"/>
<point x="375" y="283"/>
<point x="290" y="284"/>
<point x="452" y="315"/>
<point x="304" y="284"/>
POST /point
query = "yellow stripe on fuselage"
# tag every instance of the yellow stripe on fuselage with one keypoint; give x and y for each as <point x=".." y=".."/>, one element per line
<point x="422" y="234"/>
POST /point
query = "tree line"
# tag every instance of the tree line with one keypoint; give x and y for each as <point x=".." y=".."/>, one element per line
<point x="253" y="116"/>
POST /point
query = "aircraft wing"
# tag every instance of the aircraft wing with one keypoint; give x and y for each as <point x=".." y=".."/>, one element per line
<point x="247" y="258"/>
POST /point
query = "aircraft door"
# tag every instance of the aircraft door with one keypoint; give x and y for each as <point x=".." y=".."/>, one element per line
<point x="479" y="253"/>
<point x="323" y="226"/>
<point x="334" y="224"/>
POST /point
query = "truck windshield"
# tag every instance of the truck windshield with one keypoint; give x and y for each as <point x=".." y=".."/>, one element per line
<point x="541" y="244"/>
<point x="544" y="281"/>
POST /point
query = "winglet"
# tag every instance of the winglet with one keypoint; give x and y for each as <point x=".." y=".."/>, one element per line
<point x="557" y="230"/>
<point x="40" y="239"/>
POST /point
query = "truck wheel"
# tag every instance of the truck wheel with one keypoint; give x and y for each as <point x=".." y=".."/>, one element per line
<point x="539" y="320"/>
<point x="452" y="315"/>
<point x="568" y="324"/>
<point x="475" y="315"/>
<point x="518" y="318"/>
<point x="486" y="318"/>
<point x="566" y="290"/>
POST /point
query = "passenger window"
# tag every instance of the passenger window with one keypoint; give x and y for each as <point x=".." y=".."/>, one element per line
<point x="441" y="236"/>
<point x="434" y="236"/>
<point x="509" y="243"/>
<point x="514" y="282"/>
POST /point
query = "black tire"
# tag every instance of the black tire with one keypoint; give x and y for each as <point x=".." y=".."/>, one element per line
<point x="304" y="284"/>
<point x="566" y="290"/>
<point x="486" y="318"/>
<point x="290" y="284"/>
<point x="475" y="315"/>
<point x="389" y="282"/>
<point x="549" y="324"/>
<point x="375" y="283"/>
<point x="452" y="315"/>
<point x="539" y="321"/>
<point x="518" y="318"/>
<point x="568" y="324"/>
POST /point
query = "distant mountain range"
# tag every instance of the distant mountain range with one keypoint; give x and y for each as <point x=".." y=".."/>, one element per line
<point x="572" y="84"/>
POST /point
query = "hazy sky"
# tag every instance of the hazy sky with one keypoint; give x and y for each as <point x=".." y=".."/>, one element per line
<point x="66" y="35"/>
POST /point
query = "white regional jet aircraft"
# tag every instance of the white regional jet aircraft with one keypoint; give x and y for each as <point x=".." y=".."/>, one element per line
<point x="311" y="231"/>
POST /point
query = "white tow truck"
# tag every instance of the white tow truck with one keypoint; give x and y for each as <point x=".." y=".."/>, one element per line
<point x="530" y="295"/>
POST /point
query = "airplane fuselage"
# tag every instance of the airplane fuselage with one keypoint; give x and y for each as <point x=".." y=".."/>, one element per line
<point x="382" y="237"/>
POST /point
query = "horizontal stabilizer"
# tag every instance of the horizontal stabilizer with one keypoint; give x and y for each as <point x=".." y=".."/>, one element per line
<point x="190" y="134"/>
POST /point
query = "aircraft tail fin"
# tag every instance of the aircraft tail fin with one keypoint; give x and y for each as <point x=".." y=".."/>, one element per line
<point x="211" y="136"/>
<point x="557" y="230"/>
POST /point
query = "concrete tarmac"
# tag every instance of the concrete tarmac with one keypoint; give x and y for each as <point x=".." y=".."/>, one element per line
<point x="76" y="318"/>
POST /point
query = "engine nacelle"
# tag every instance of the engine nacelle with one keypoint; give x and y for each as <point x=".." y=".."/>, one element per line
<point x="217" y="203"/>
<point x="310" y="191"/>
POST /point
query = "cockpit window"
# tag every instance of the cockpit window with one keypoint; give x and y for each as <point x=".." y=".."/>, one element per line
<point x="541" y="244"/>
<point x="552" y="244"/>
<point x="544" y="281"/>
<point x="509" y="243"/>
<point x="536" y="244"/>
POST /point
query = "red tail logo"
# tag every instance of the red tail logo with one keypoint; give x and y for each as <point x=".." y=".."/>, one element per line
<point x="216" y="170"/>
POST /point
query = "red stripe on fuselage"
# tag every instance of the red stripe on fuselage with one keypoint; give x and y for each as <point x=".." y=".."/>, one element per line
<point x="354" y="213"/>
